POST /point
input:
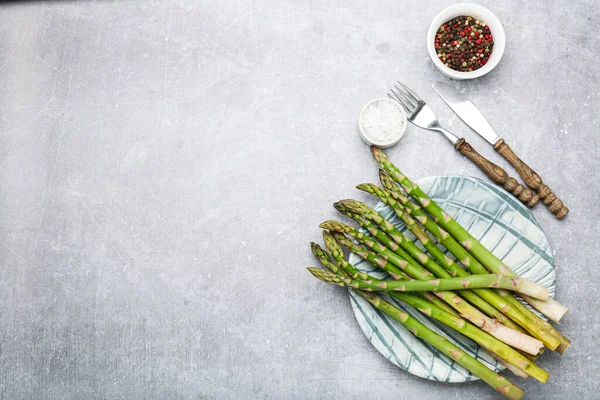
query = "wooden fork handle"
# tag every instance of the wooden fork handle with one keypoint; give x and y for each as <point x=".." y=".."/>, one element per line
<point x="533" y="180"/>
<point x="497" y="174"/>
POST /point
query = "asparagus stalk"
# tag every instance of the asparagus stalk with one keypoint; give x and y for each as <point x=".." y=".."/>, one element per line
<point x="495" y="312"/>
<point x="389" y="228"/>
<point x="517" y="311"/>
<point x="509" y="336"/>
<point x="515" y="370"/>
<point x="378" y="262"/>
<point x="552" y="309"/>
<point x="514" y="361"/>
<point x="486" y="340"/>
<point x="497" y="381"/>
<point x="490" y="296"/>
<point x="387" y="241"/>
<point x="435" y="285"/>
<point x="384" y="195"/>
<point x="414" y="270"/>
<point x="338" y="255"/>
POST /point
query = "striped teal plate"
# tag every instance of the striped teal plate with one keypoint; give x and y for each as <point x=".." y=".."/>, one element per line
<point x="504" y="226"/>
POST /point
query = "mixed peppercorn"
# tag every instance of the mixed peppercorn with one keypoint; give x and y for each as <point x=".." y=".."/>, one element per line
<point x="464" y="43"/>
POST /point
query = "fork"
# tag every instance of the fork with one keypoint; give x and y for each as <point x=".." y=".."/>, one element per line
<point x="420" y="114"/>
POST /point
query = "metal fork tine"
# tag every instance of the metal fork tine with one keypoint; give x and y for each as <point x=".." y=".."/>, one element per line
<point x="412" y="94"/>
<point x="406" y="95"/>
<point x="408" y="112"/>
<point x="395" y="96"/>
<point x="406" y="99"/>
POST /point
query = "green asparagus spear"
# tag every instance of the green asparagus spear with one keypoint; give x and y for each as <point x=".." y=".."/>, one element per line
<point x="473" y="298"/>
<point x="486" y="340"/>
<point x="466" y="310"/>
<point x="378" y="262"/>
<point x="436" y="302"/>
<point x="414" y="270"/>
<point x="376" y="233"/>
<point x="550" y="308"/>
<point x="512" y="307"/>
<point x="490" y="296"/>
<point x="436" y="285"/>
<point x="519" y="364"/>
<point x="497" y="381"/>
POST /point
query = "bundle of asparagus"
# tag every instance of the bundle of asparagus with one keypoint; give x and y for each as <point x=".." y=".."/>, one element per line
<point x="476" y="299"/>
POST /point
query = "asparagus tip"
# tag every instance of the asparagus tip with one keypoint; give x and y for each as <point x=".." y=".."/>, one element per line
<point x="376" y="151"/>
<point x="326" y="224"/>
<point x="325" y="276"/>
<point x="339" y="206"/>
<point x="365" y="187"/>
<point x="350" y="203"/>
<point x="385" y="179"/>
<point x="317" y="250"/>
<point x="356" y="206"/>
<point x="333" y="226"/>
<point x="316" y="272"/>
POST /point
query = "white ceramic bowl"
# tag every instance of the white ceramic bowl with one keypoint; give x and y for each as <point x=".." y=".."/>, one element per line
<point x="469" y="10"/>
<point x="382" y="122"/>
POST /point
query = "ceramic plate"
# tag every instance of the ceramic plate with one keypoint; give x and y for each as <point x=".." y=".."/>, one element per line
<point x="503" y="225"/>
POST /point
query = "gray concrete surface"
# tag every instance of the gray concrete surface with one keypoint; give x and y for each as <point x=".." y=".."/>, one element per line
<point x="164" y="164"/>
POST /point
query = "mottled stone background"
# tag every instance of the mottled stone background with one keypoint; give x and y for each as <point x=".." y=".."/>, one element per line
<point x="164" y="164"/>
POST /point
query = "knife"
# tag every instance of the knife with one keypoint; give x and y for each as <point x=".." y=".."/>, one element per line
<point x="476" y="121"/>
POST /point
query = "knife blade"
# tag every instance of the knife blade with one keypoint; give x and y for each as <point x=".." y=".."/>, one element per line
<point x="466" y="111"/>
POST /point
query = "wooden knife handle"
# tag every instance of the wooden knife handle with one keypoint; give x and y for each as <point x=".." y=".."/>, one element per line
<point x="533" y="180"/>
<point x="497" y="174"/>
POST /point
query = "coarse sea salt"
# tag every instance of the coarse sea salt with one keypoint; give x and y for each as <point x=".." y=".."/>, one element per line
<point x="382" y="122"/>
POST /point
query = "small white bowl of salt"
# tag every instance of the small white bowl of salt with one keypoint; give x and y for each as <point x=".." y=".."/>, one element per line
<point x="382" y="122"/>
